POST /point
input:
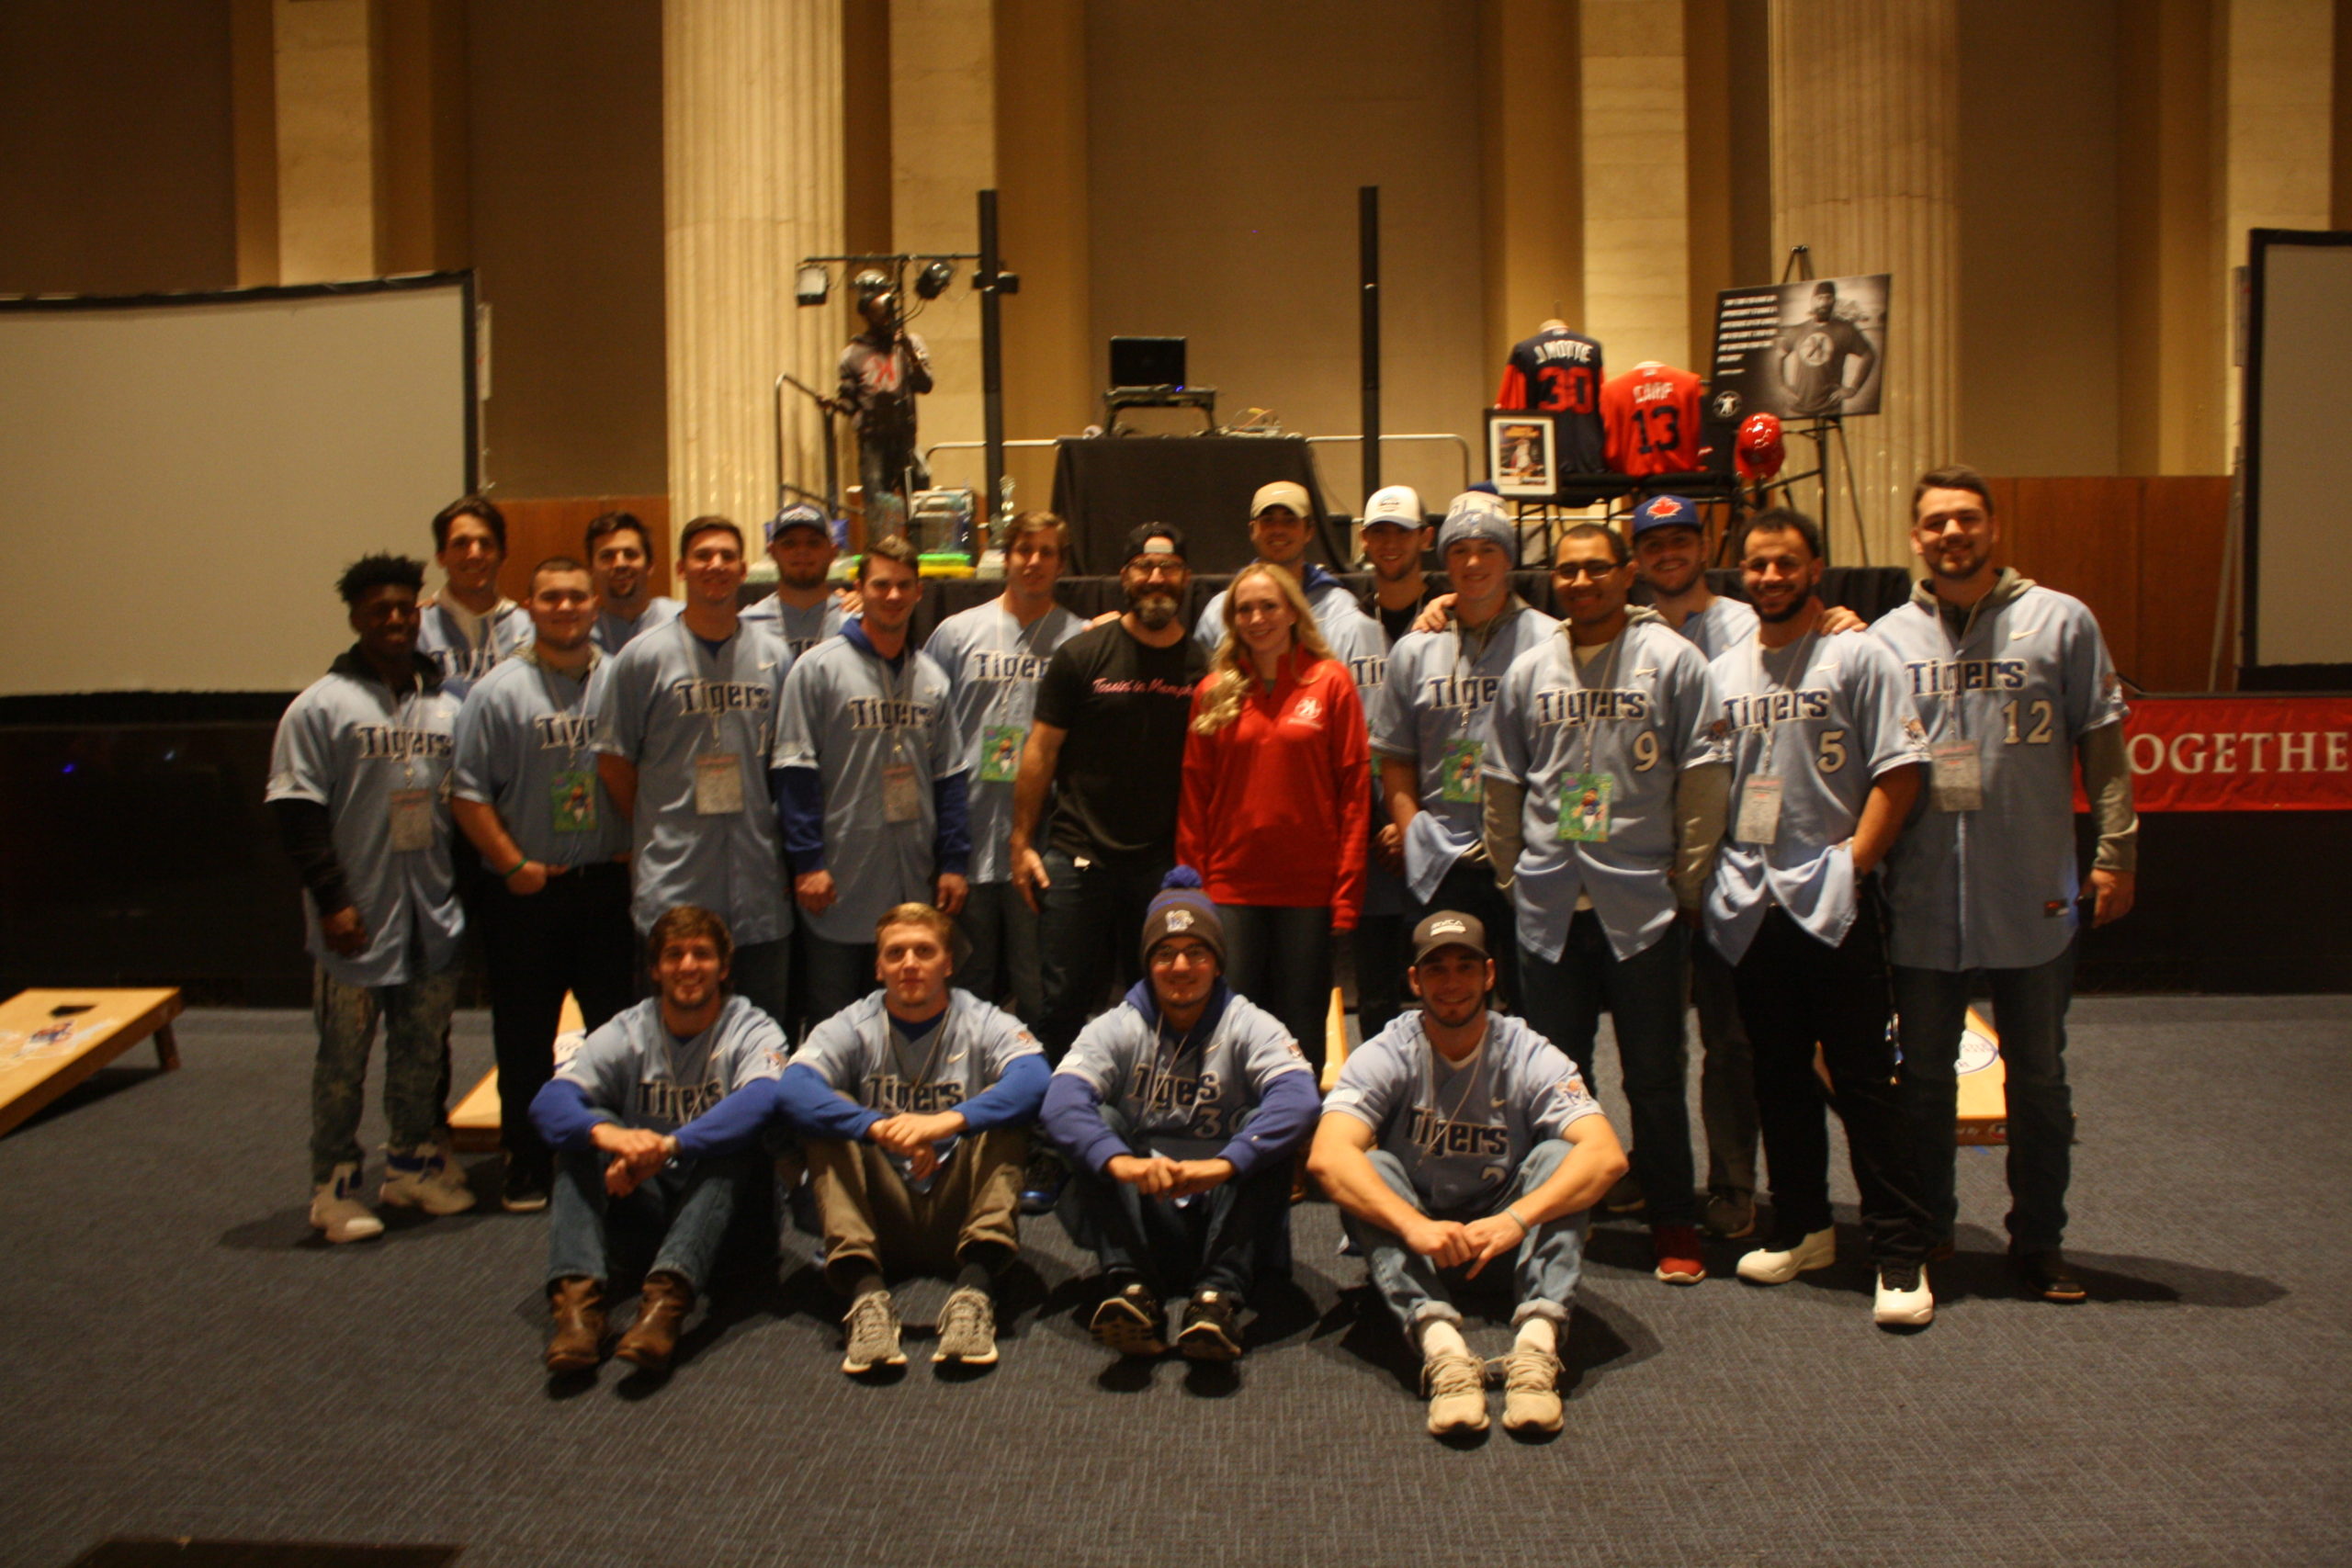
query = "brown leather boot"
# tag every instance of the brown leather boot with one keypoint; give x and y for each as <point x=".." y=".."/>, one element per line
<point x="578" y="1342"/>
<point x="661" y="1309"/>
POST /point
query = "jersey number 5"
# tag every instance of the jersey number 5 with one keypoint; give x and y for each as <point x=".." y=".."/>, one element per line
<point x="1832" y="755"/>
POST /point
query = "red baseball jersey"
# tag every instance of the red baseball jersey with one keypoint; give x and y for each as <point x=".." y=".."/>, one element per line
<point x="1651" y="413"/>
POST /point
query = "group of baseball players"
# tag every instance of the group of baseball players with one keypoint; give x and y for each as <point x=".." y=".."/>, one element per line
<point x="915" y="954"/>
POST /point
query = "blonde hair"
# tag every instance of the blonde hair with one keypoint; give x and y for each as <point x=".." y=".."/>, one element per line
<point x="1231" y="672"/>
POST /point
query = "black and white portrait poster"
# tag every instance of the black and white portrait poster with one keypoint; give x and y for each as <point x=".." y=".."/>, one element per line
<point x="1808" y="349"/>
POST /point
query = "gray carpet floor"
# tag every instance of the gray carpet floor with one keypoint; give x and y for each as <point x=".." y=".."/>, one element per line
<point x="183" y="1359"/>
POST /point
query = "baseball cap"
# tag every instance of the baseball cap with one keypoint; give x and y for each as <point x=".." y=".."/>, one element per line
<point x="800" y="514"/>
<point x="1448" y="928"/>
<point x="1664" y="511"/>
<point x="1397" y="506"/>
<point x="1155" y="539"/>
<point x="1281" y="493"/>
<point x="1475" y="515"/>
<point x="1182" y="907"/>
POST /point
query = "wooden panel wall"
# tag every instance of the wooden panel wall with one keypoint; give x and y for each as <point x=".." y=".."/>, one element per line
<point x="2144" y="554"/>
<point x="538" y="529"/>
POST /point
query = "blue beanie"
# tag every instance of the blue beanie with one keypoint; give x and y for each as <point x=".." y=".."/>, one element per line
<point x="1182" y="909"/>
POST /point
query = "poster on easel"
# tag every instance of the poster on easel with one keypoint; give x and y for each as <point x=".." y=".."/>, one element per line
<point x="1809" y="348"/>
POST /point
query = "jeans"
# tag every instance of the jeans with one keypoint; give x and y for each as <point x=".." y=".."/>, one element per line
<point x="1468" y="888"/>
<point x="834" y="975"/>
<point x="1727" y="1074"/>
<point x="1281" y="959"/>
<point x="1645" y="994"/>
<point x="416" y="1032"/>
<point x="687" y="1205"/>
<point x="1002" y="967"/>
<point x="1090" y="929"/>
<point x="1544" y="1272"/>
<point x="573" y="935"/>
<point x="1213" y="1241"/>
<point x="1795" y="990"/>
<point x="2029" y="1010"/>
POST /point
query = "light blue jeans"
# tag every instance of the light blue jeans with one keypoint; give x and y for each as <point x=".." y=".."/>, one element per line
<point x="1545" y="1273"/>
<point x="689" y="1205"/>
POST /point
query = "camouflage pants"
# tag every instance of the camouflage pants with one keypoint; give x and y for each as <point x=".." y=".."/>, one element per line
<point x="415" y="1014"/>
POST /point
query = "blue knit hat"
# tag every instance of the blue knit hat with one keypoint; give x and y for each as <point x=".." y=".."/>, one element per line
<point x="1182" y="909"/>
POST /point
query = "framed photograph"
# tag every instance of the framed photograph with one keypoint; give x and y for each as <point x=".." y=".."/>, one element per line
<point x="1810" y="348"/>
<point x="1522" y="453"/>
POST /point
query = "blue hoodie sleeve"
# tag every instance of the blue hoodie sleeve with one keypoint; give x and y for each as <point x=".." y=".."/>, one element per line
<point x="1073" y="1120"/>
<point x="813" y="1109"/>
<point x="565" y="1116"/>
<point x="952" y="846"/>
<point x="1012" y="1099"/>
<point x="800" y="814"/>
<point x="1282" y="1119"/>
<point x="732" y="1125"/>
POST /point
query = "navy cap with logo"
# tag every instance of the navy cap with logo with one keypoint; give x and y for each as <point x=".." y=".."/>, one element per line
<point x="1448" y="928"/>
<point x="1664" y="511"/>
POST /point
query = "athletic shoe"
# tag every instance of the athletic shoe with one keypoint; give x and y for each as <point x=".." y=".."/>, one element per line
<point x="1783" y="1258"/>
<point x="873" y="1335"/>
<point x="1530" y="1380"/>
<point x="1626" y="1198"/>
<point x="576" y="1342"/>
<point x="336" y="1208"/>
<point x="1212" y="1330"/>
<point x="1904" y="1300"/>
<point x="967" y="1328"/>
<point x="425" y="1177"/>
<point x="1730" y="1216"/>
<point x="661" y="1309"/>
<point x="1941" y="1250"/>
<point x="1041" y="1183"/>
<point x="1675" y="1247"/>
<point x="524" y="1189"/>
<point x="1457" y="1386"/>
<point x="1131" y="1321"/>
<point x="2046" y="1275"/>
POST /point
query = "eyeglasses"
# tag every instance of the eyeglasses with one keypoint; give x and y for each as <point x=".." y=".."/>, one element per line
<point x="1158" y="567"/>
<point x="1595" y="570"/>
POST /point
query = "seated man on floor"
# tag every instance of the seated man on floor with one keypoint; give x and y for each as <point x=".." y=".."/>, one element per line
<point x="913" y="1105"/>
<point x="648" y="1127"/>
<point x="1180" y="1109"/>
<point x="1455" y="1136"/>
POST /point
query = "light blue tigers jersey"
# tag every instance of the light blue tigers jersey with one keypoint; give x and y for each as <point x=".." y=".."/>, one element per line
<point x="992" y="664"/>
<point x="662" y="703"/>
<point x="1434" y="709"/>
<point x="525" y="747"/>
<point x="507" y="632"/>
<point x="1183" y="1102"/>
<point x="642" y="1075"/>
<point x="1827" y="717"/>
<point x="346" y="743"/>
<point x="1725" y="623"/>
<point x="1995" y="888"/>
<point x="611" y="633"/>
<point x="1460" y="1129"/>
<point x="860" y="1053"/>
<point x="800" y="629"/>
<point x="846" y="714"/>
<point x="1601" y="745"/>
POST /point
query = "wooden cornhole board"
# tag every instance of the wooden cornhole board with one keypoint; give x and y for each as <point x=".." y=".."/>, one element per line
<point x="473" y="1125"/>
<point x="50" y="1041"/>
<point x="1983" y="1114"/>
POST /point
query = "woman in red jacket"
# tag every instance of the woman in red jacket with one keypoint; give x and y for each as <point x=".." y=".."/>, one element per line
<point x="1276" y="793"/>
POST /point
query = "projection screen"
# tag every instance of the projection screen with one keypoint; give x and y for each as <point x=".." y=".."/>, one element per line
<point x="2297" y="396"/>
<point x="182" y="479"/>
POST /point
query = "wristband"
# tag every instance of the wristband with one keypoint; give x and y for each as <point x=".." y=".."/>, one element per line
<point x="1524" y="1228"/>
<point x="508" y="875"/>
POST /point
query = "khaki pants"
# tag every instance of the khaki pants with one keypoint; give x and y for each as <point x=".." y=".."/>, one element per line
<point x="873" y="1220"/>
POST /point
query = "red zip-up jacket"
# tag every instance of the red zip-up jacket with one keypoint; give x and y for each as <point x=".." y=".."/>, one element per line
<point x="1277" y="804"/>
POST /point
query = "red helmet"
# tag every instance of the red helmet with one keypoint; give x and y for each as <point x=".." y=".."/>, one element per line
<point x="1757" y="454"/>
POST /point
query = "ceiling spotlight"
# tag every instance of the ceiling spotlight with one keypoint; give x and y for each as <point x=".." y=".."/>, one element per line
<point x="813" y="286"/>
<point x="933" y="280"/>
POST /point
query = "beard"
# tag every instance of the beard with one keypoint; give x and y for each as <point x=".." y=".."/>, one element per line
<point x="1957" y="568"/>
<point x="1154" y="610"/>
<point x="801" y="581"/>
<point x="1788" y="612"/>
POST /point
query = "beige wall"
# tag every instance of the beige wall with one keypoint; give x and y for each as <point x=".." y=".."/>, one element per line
<point x="1226" y="141"/>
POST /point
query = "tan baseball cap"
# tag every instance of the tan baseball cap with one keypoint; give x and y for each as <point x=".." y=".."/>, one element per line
<point x="1281" y="493"/>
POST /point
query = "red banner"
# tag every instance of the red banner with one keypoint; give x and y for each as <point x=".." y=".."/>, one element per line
<point x="2240" y="753"/>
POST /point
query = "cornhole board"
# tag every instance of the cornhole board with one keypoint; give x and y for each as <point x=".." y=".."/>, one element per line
<point x="1335" y="1041"/>
<point x="1984" y="1112"/>
<point x="50" y="1041"/>
<point x="473" y="1125"/>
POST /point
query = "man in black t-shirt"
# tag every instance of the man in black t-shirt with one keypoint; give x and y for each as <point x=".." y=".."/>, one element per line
<point x="1107" y="744"/>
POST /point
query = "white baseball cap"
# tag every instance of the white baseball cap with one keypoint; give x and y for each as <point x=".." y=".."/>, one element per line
<point x="1397" y="506"/>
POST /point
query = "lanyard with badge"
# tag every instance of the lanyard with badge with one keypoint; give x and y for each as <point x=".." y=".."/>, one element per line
<point x="1585" y="796"/>
<point x="411" y="807"/>
<point x="1759" y="793"/>
<point x="1001" y="744"/>
<point x="1468" y="1072"/>
<point x="902" y="798"/>
<point x="1458" y="781"/>
<point x="571" y="794"/>
<point x="1956" y="773"/>
<point x="718" y="775"/>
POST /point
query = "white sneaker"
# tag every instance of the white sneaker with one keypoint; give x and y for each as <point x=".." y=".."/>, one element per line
<point x="1904" y="1299"/>
<point x="425" y="1177"/>
<point x="1766" y="1266"/>
<point x="336" y="1210"/>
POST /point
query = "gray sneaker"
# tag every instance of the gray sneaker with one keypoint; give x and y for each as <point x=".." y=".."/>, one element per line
<point x="966" y="1328"/>
<point x="873" y="1335"/>
<point x="1530" y="1380"/>
<point x="1457" y="1387"/>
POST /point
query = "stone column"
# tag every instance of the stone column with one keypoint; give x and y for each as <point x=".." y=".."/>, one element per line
<point x="943" y="153"/>
<point x="752" y="171"/>
<point x="1637" y="185"/>
<point x="328" y="133"/>
<point x="1865" y="133"/>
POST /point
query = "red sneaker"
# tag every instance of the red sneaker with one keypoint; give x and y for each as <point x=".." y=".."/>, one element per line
<point x="1675" y="1247"/>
